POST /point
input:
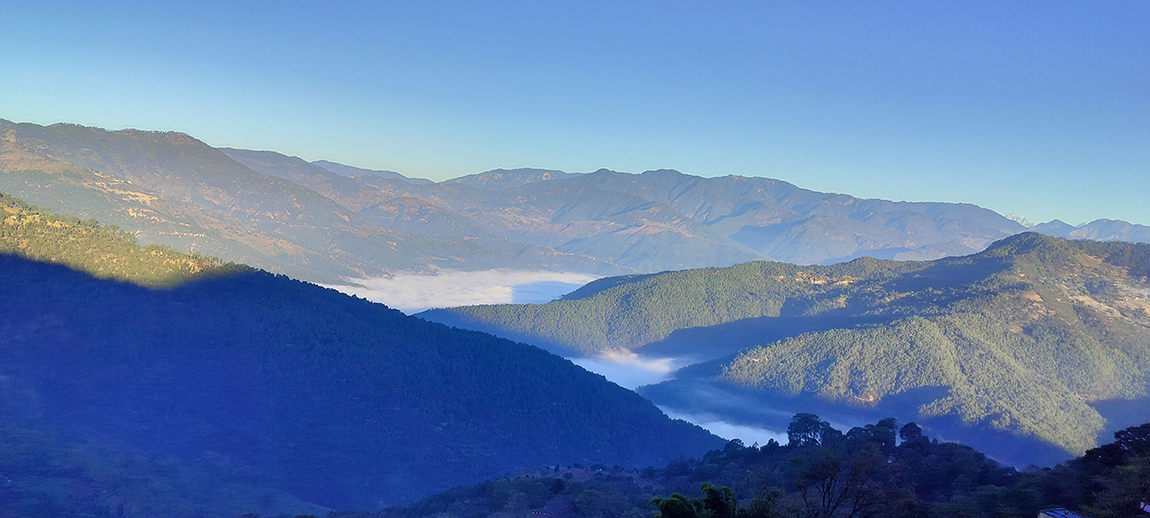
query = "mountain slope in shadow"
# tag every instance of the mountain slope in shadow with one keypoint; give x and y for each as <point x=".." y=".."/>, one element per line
<point x="336" y="400"/>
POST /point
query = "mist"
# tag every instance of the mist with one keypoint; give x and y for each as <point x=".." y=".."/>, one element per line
<point x="630" y="370"/>
<point x="727" y="430"/>
<point x="412" y="293"/>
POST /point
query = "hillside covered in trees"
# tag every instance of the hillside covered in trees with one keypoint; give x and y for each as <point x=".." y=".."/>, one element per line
<point x="886" y="469"/>
<point x="1029" y="337"/>
<point x="268" y="387"/>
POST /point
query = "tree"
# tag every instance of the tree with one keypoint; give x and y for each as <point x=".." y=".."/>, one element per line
<point x="677" y="506"/>
<point x="830" y="483"/>
<point x="1135" y="439"/>
<point x="808" y="430"/>
<point x="720" y="501"/>
<point x="762" y="506"/>
<point x="910" y="432"/>
<point x="717" y="502"/>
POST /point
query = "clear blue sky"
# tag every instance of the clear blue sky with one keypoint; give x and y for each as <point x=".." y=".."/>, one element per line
<point x="1040" y="108"/>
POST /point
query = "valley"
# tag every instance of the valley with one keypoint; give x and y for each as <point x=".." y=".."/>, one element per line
<point x="574" y="260"/>
<point x="666" y="287"/>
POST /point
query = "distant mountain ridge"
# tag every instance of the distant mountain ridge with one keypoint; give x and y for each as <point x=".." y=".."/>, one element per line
<point x="663" y="220"/>
<point x="173" y="189"/>
<point x="347" y="170"/>
<point x="499" y="179"/>
<point x="325" y="221"/>
<point x="1035" y="337"/>
<point x="1098" y="230"/>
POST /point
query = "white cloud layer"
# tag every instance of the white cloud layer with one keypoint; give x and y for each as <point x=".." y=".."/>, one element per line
<point x="748" y="434"/>
<point x="627" y="369"/>
<point x="412" y="293"/>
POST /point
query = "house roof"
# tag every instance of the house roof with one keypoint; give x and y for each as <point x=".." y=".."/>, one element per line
<point x="1060" y="512"/>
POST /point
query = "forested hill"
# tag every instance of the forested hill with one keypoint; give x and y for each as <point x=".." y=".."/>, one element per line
<point x="337" y="400"/>
<point x="1027" y="337"/>
<point x="631" y="312"/>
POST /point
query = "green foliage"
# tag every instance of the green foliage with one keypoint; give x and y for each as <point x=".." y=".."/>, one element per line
<point x="646" y="309"/>
<point x="677" y="506"/>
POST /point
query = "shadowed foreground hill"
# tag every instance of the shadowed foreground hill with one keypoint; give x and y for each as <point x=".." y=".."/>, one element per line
<point x="1027" y="337"/>
<point x="337" y="400"/>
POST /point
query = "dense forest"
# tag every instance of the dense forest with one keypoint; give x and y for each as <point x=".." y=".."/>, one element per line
<point x="278" y="386"/>
<point x="1025" y="337"/>
<point x="46" y="474"/>
<point x="878" y="470"/>
<point x="634" y="311"/>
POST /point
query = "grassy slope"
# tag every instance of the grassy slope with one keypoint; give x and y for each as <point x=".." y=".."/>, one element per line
<point x="103" y="251"/>
<point x="52" y="182"/>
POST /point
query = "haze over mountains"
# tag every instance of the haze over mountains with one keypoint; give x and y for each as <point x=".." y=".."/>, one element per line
<point x="1098" y="230"/>
<point x="324" y="221"/>
<point x="657" y="220"/>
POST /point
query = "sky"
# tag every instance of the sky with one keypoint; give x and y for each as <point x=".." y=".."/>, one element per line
<point x="1036" y="108"/>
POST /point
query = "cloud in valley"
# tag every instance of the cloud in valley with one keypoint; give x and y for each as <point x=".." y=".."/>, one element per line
<point x="727" y="430"/>
<point x="411" y="293"/>
<point x="629" y="370"/>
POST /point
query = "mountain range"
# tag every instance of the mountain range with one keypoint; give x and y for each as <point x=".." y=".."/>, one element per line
<point x="1098" y="230"/>
<point x="206" y="380"/>
<point x="1029" y="350"/>
<point x="327" y="222"/>
<point x="657" y="220"/>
